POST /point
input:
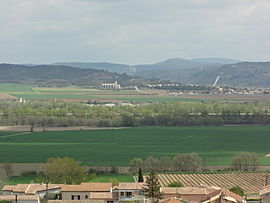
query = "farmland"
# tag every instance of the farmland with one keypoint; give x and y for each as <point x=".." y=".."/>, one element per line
<point x="73" y="93"/>
<point x="116" y="147"/>
<point x="250" y="182"/>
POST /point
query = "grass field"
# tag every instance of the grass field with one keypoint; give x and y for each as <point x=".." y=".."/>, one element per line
<point x="98" y="178"/>
<point x="108" y="177"/>
<point x="217" y="145"/>
<point x="31" y="92"/>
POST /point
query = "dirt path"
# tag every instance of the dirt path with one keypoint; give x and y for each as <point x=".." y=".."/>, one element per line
<point x="24" y="133"/>
<point x="40" y="129"/>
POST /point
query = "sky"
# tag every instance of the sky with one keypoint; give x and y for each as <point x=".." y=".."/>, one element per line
<point x="133" y="31"/>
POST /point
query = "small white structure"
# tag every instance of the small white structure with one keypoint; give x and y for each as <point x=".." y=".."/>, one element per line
<point x="114" y="85"/>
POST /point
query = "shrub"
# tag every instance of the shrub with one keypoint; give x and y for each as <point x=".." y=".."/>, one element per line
<point x="176" y="184"/>
<point x="238" y="190"/>
<point x="28" y="173"/>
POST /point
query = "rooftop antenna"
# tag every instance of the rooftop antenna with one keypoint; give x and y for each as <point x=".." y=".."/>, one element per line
<point x="216" y="81"/>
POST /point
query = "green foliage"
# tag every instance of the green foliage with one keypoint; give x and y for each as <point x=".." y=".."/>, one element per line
<point x="51" y="114"/>
<point x="176" y="184"/>
<point x="64" y="170"/>
<point x="109" y="177"/>
<point x="245" y="161"/>
<point x="114" y="181"/>
<point x="28" y="173"/>
<point x="152" y="186"/>
<point x="5" y="201"/>
<point x="238" y="190"/>
<point x="135" y="165"/>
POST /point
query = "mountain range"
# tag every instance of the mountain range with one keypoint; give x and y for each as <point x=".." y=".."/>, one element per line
<point x="60" y="75"/>
<point x="202" y="71"/>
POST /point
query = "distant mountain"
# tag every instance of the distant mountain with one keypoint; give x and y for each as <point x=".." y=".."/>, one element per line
<point x="158" y="68"/>
<point x="246" y="74"/>
<point x="54" y="75"/>
<point x="112" y="67"/>
<point x="215" y="60"/>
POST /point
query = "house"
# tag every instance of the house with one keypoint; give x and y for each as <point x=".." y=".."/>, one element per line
<point x="203" y="194"/>
<point x="125" y="191"/>
<point x="265" y="194"/>
<point x="84" y="191"/>
<point x="20" y="198"/>
<point x="31" y="189"/>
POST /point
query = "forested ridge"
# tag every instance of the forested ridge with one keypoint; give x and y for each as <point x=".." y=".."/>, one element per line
<point x="61" y="76"/>
<point x="50" y="114"/>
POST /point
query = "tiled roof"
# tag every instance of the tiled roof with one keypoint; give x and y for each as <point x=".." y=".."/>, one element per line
<point x="9" y="187"/>
<point x="171" y="200"/>
<point x="21" y="188"/>
<point x="185" y="190"/>
<point x="30" y="188"/>
<point x="19" y="197"/>
<point x="265" y="190"/>
<point x="88" y="187"/>
<point x="228" y="193"/>
<point x="34" y="188"/>
<point x="129" y="186"/>
<point x="101" y="195"/>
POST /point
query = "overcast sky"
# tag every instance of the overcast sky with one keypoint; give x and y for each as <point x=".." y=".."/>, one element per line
<point x="133" y="31"/>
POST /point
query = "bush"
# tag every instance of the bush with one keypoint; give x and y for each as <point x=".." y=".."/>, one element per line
<point x="176" y="184"/>
<point x="5" y="201"/>
<point x="238" y="190"/>
<point x="28" y="173"/>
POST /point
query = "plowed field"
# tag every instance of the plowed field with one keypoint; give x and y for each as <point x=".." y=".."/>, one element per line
<point x="250" y="182"/>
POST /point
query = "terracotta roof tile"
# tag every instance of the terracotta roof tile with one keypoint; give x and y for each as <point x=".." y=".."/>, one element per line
<point x="19" y="197"/>
<point x="34" y="188"/>
<point x="184" y="190"/>
<point x="21" y="188"/>
<point x="9" y="187"/>
<point x="228" y="193"/>
<point x="129" y="186"/>
<point x="88" y="187"/>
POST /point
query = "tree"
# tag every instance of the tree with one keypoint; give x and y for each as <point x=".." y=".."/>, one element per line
<point x="114" y="181"/>
<point x="238" y="190"/>
<point x="187" y="162"/>
<point x="152" y="186"/>
<point x="245" y="161"/>
<point x="64" y="170"/>
<point x="176" y="184"/>
<point x="135" y="164"/>
<point x="8" y="168"/>
<point x="140" y="176"/>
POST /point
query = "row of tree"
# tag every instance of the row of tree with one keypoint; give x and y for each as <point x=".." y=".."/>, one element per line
<point x="51" y="114"/>
<point x="180" y="163"/>
<point x="244" y="161"/>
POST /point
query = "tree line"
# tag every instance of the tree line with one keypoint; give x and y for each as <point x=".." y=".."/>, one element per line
<point x="190" y="162"/>
<point x="64" y="114"/>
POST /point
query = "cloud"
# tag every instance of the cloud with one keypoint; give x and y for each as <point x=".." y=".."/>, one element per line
<point x="131" y="31"/>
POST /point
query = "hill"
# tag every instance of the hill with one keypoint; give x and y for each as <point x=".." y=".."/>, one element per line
<point x="148" y="69"/>
<point x="60" y="75"/>
<point x="247" y="74"/>
<point x="112" y="67"/>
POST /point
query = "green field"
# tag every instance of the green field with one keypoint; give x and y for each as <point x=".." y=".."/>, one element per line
<point x="116" y="147"/>
<point x="73" y="93"/>
<point x="108" y="178"/>
<point x="14" y="180"/>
